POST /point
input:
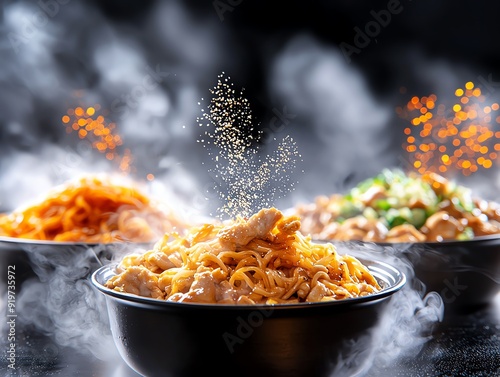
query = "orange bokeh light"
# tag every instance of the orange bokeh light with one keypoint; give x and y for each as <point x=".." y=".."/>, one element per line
<point x="452" y="136"/>
<point x="102" y="135"/>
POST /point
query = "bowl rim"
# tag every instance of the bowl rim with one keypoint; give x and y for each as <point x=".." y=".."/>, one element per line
<point x="448" y="242"/>
<point x="374" y="265"/>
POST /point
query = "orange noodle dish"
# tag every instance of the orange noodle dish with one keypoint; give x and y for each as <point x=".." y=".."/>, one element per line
<point x="90" y="209"/>
<point x="263" y="259"/>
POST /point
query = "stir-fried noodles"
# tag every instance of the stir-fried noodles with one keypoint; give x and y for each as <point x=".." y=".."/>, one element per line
<point x="90" y="209"/>
<point x="260" y="260"/>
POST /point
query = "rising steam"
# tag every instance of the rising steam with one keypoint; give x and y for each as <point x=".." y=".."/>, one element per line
<point x="79" y="57"/>
<point x="405" y="325"/>
<point x="340" y="128"/>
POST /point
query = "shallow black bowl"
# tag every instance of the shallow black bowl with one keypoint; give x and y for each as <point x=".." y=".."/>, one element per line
<point x="159" y="338"/>
<point x="49" y="287"/>
<point x="466" y="274"/>
<point x="26" y="259"/>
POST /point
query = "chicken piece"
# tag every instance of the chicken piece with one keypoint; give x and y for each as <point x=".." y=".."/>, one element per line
<point x="404" y="233"/>
<point x="374" y="193"/>
<point x="439" y="184"/>
<point x="482" y="227"/>
<point x="157" y="261"/>
<point x="318" y="292"/>
<point x="360" y="228"/>
<point x="225" y="293"/>
<point x="490" y="209"/>
<point x="350" y="235"/>
<point x="441" y="226"/>
<point x="329" y="232"/>
<point x="315" y="216"/>
<point x="202" y="290"/>
<point x="416" y="203"/>
<point x="377" y="233"/>
<point x="450" y="207"/>
<point x="257" y="226"/>
<point x="323" y="201"/>
<point x="289" y="225"/>
<point x="303" y="290"/>
<point x="137" y="280"/>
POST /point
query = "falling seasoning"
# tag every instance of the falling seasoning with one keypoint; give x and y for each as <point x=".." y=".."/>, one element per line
<point x="245" y="180"/>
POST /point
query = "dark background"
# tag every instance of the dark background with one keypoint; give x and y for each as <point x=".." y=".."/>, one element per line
<point x="59" y="55"/>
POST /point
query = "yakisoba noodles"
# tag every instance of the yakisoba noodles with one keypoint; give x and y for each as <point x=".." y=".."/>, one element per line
<point x="260" y="260"/>
<point x="90" y="209"/>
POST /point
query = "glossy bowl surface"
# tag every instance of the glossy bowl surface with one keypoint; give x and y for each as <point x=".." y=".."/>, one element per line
<point x="160" y="338"/>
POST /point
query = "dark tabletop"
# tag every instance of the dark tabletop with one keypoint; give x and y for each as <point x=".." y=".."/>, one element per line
<point x="463" y="344"/>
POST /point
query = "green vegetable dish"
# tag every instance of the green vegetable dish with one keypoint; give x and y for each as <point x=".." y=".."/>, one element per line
<point x="398" y="207"/>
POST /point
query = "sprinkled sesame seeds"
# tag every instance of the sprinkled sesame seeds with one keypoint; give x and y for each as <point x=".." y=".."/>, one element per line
<point x="245" y="180"/>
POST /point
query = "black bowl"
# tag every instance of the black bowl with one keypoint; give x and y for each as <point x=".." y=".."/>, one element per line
<point x="159" y="338"/>
<point x="38" y="271"/>
<point x="466" y="274"/>
<point x="27" y="259"/>
<point x="50" y="294"/>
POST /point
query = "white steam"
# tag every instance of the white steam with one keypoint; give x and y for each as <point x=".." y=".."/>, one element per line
<point x="405" y="325"/>
<point x="339" y="126"/>
<point x="345" y="135"/>
<point x="70" y="55"/>
<point x="61" y="303"/>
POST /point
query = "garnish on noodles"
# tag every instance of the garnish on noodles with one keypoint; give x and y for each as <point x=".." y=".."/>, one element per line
<point x="90" y="209"/>
<point x="263" y="259"/>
